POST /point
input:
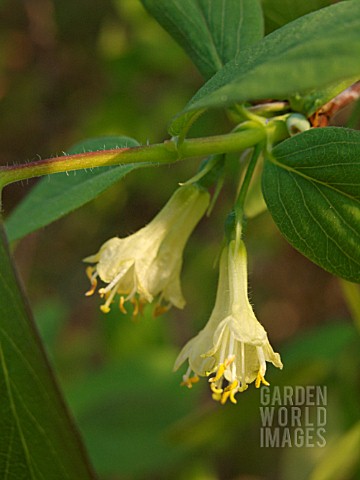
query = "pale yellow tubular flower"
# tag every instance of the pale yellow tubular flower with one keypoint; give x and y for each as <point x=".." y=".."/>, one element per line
<point x="148" y="263"/>
<point x="195" y="349"/>
<point x="233" y="348"/>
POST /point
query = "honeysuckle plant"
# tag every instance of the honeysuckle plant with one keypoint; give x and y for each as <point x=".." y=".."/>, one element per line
<point x="280" y="91"/>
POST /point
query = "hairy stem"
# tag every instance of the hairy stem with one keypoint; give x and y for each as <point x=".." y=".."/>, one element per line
<point x="167" y="152"/>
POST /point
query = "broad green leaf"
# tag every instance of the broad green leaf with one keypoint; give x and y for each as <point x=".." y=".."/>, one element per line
<point x="212" y="32"/>
<point x="312" y="52"/>
<point x="279" y="12"/>
<point x="311" y="186"/>
<point x="38" y="440"/>
<point x="60" y="194"/>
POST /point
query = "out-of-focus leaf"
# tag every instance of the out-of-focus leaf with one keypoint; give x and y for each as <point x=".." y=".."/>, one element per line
<point x="279" y="12"/>
<point x="211" y="32"/>
<point x="341" y="459"/>
<point x="311" y="186"/>
<point x="351" y="293"/>
<point x="49" y="317"/>
<point x="61" y="193"/>
<point x="312" y="52"/>
<point x="321" y="343"/>
<point x="38" y="440"/>
<point x="124" y="412"/>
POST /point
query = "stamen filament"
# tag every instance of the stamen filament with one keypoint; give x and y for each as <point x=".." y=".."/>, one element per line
<point x="105" y="308"/>
<point x="243" y="363"/>
<point x="113" y="282"/>
<point x="223" y="347"/>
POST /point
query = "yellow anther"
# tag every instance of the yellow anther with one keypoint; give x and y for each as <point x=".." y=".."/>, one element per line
<point x="216" y="397"/>
<point x="105" y="308"/>
<point x="160" y="309"/>
<point x="91" y="277"/>
<point x="92" y="289"/>
<point x="232" y="397"/>
<point x="121" y="305"/>
<point x="230" y="392"/>
<point x="136" y="306"/>
<point x="102" y="292"/>
<point x="233" y="390"/>
<point x="222" y="368"/>
<point x="89" y="272"/>
<point x="260" y="379"/>
<point x="189" y="381"/>
<point x="219" y="373"/>
<point x="215" y="389"/>
<point x="224" y="397"/>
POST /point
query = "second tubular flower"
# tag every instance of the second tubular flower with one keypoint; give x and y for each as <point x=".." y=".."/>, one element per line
<point x="148" y="263"/>
<point x="233" y="347"/>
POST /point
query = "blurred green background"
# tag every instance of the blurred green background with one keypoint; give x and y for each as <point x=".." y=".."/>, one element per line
<point x="74" y="70"/>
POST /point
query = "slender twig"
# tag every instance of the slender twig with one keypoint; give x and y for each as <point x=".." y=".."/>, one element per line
<point x="240" y="201"/>
<point x="322" y="117"/>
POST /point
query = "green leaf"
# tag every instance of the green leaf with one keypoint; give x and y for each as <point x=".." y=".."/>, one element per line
<point x="351" y="293"/>
<point x="341" y="458"/>
<point x="312" y="52"/>
<point x="38" y="440"/>
<point x="60" y="194"/>
<point x="311" y="185"/>
<point x="211" y="32"/>
<point x="125" y="409"/>
<point x="321" y="343"/>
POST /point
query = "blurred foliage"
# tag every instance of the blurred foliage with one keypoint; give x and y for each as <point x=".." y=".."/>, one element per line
<point x="73" y="70"/>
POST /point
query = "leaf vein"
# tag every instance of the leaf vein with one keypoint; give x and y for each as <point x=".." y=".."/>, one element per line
<point x="15" y="414"/>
